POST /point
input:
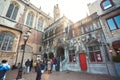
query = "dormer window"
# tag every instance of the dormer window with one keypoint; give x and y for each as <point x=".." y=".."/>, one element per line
<point x="106" y="4"/>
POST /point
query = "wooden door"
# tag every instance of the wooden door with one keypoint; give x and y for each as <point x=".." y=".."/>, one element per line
<point x="83" y="63"/>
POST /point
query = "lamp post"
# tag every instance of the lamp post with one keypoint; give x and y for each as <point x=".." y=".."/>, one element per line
<point x="25" y="37"/>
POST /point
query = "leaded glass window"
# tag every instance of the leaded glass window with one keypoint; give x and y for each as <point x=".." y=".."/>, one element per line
<point x="6" y="41"/>
<point x="40" y="24"/>
<point x="12" y="11"/>
<point x="30" y="18"/>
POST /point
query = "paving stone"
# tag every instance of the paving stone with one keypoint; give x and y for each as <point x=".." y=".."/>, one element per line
<point x="11" y="75"/>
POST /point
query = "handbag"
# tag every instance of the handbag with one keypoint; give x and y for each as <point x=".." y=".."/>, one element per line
<point x="42" y="71"/>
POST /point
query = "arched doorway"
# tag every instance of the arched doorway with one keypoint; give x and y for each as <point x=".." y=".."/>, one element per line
<point x="45" y="56"/>
<point x="60" y="53"/>
<point x="59" y="57"/>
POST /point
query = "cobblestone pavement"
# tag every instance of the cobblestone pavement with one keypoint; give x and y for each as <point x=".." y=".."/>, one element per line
<point x="11" y="75"/>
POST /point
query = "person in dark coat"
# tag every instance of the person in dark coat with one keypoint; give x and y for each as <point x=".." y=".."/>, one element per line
<point x="39" y="67"/>
<point x="27" y="65"/>
<point x="31" y="64"/>
<point x="4" y="67"/>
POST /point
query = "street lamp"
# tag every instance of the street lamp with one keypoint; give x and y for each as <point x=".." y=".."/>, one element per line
<point x="25" y="37"/>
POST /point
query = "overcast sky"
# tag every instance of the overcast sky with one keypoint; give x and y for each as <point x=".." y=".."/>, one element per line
<point x="72" y="9"/>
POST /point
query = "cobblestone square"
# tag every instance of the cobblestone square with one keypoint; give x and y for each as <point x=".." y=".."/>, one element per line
<point x="69" y="75"/>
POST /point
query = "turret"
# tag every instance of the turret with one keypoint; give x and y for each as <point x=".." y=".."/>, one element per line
<point x="56" y="12"/>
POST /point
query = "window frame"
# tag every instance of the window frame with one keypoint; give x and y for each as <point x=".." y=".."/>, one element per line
<point x="87" y="28"/>
<point x="72" y="56"/>
<point x="103" y="8"/>
<point x="13" y="14"/>
<point x="40" y="24"/>
<point x="10" y="38"/>
<point x="30" y="19"/>
<point x="94" y="52"/>
<point x="113" y="21"/>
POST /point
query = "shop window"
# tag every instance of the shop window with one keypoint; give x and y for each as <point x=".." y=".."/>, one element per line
<point x="6" y="41"/>
<point x="114" y="22"/>
<point x="106" y="4"/>
<point x="72" y="57"/>
<point x="12" y="11"/>
<point x="30" y="18"/>
<point x="95" y="54"/>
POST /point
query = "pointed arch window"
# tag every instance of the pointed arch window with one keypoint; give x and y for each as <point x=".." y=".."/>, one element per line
<point x="30" y="18"/>
<point x="12" y="11"/>
<point x="106" y="4"/>
<point x="40" y="24"/>
<point x="6" y="41"/>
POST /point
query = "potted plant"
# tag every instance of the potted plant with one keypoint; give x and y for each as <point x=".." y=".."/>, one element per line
<point x="116" y="60"/>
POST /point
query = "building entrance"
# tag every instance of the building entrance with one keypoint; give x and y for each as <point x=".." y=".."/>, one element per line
<point x="83" y="63"/>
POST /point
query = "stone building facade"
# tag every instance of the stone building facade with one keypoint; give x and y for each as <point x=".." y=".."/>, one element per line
<point x="92" y="41"/>
<point x="109" y="12"/>
<point x="91" y="46"/>
<point x="54" y="38"/>
<point x="16" y="18"/>
<point x="86" y="45"/>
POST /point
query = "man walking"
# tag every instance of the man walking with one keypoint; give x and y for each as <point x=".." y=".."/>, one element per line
<point x="27" y="65"/>
<point x="39" y="67"/>
<point x="4" y="67"/>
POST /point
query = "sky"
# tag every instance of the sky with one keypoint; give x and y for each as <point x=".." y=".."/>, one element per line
<point x="72" y="9"/>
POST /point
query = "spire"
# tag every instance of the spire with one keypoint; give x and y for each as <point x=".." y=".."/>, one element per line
<point x="56" y="12"/>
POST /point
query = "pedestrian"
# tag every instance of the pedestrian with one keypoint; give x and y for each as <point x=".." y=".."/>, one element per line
<point x="57" y="66"/>
<point x="39" y="69"/>
<point x="52" y="63"/>
<point x="31" y="64"/>
<point x="45" y="64"/>
<point x="19" y="65"/>
<point x="49" y="66"/>
<point x="4" y="67"/>
<point x="27" y="65"/>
